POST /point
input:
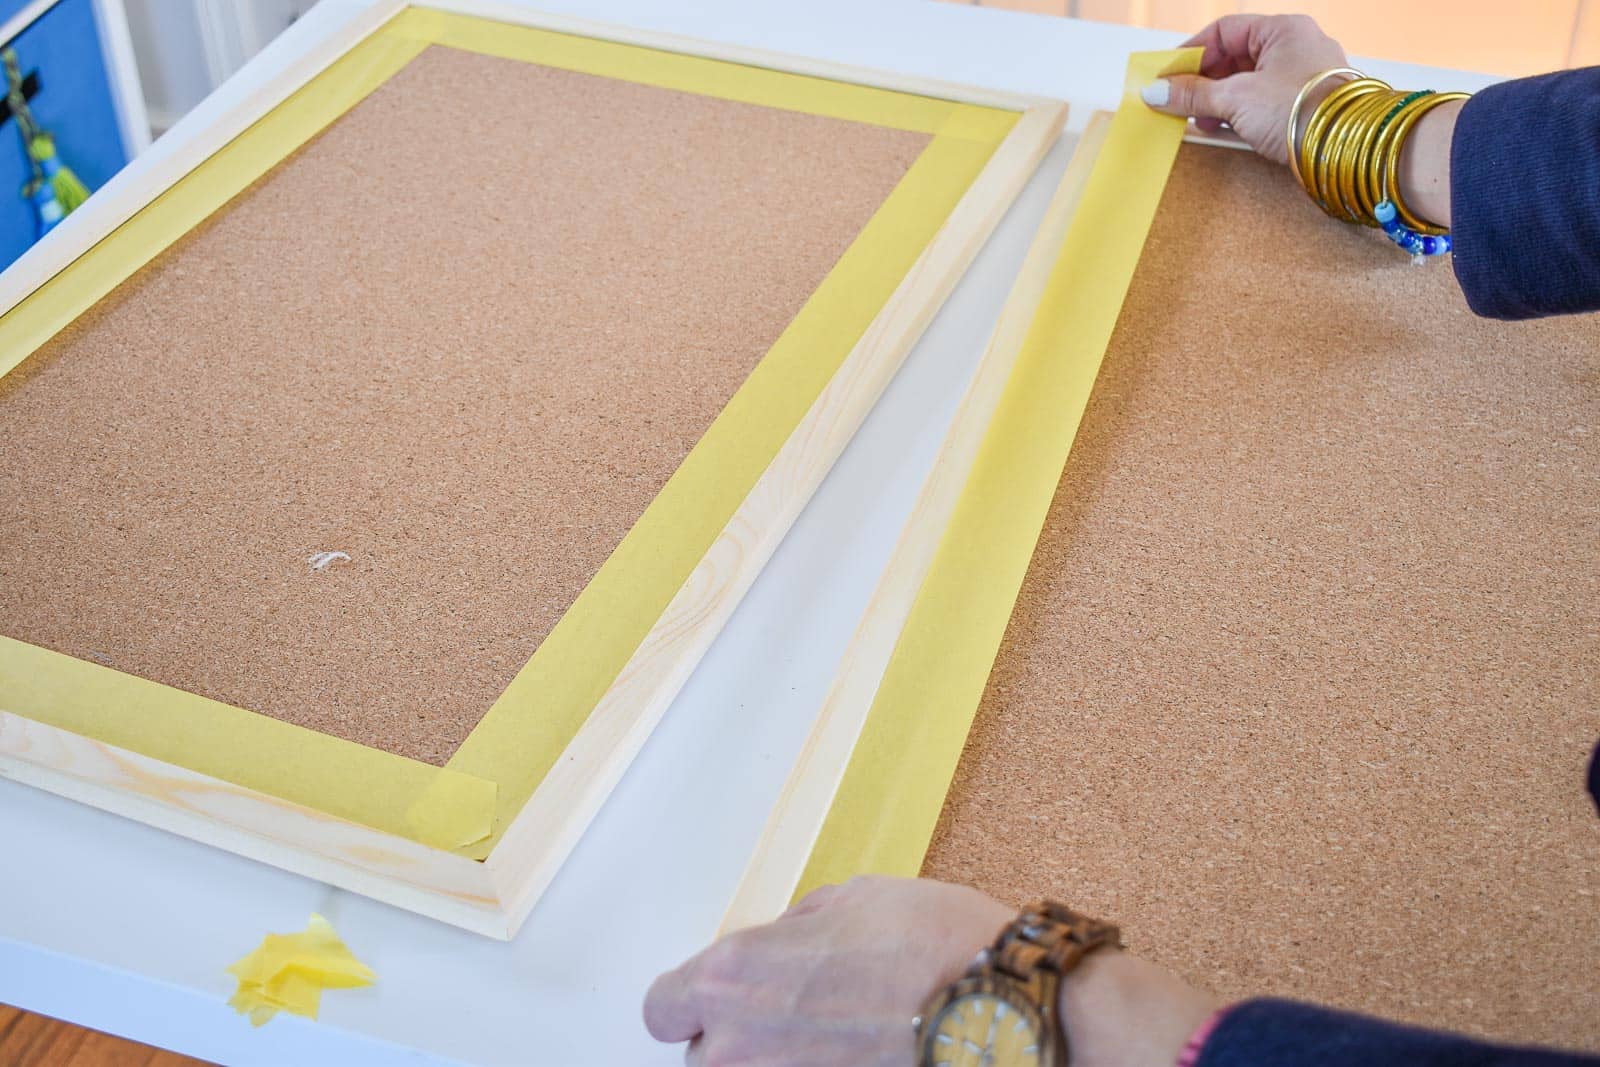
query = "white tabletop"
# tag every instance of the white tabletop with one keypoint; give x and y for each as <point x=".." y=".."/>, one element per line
<point x="123" y="928"/>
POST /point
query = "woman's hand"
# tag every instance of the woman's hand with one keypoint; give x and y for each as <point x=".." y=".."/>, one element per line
<point x="1253" y="68"/>
<point x="838" y="978"/>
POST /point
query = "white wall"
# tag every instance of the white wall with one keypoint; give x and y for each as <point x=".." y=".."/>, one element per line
<point x="1513" y="39"/>
<point x="186" y="48"/>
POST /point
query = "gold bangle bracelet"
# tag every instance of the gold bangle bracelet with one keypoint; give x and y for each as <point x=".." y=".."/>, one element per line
<point x="1299" y="102"/>
<point x="1332" y="164"/>
<point x="1373" y="182"/>
<point x="1316" y="151"/>
<point x="1360" y="124"/>
<point x="1347" y="155"/>
<point x="1370" y="176"/>
<point x="1363" y="159"/>
<point x="1311" y="144"/>
<point x="1391" y="170"/>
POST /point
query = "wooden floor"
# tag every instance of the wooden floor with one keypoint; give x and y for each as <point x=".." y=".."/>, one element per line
<point x="28" y="1040"/>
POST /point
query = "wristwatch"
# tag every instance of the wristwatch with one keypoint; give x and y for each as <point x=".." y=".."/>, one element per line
<point x="1002" y="1011"/>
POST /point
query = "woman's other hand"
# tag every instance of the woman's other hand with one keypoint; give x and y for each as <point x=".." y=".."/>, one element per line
<point x="1254" y="66"/>
<point x="836" y="980"/>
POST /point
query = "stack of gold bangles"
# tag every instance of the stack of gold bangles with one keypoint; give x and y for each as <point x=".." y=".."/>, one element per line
<point x="1348" y="158"/>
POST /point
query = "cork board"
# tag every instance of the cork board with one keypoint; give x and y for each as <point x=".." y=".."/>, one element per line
<point x="464" y="337"/>
<point x="1302" y="682"/>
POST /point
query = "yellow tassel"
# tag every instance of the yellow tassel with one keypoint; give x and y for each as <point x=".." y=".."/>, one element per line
<point x="70" y="191"/>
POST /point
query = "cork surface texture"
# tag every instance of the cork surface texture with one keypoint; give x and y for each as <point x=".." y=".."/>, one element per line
<point x="1305" y="674"/>
<point x="463" y="337"/>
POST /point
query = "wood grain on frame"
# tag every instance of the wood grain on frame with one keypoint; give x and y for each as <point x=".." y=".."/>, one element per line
<point x="780" y="855"/>
<point x="385" y="867"/>
<point x="571" y="793"/>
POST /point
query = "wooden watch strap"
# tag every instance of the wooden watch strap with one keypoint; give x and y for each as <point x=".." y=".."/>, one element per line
<point x="1052" y="937"/>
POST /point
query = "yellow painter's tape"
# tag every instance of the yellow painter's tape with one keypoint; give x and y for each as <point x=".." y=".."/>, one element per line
<point x="527" y="728"/>
<point x="375" y="788"/>
<point x="288" y="972"/>
<point x="703" y="77"/>
<point x="525" y="731"/>
<point x="894" y="786"/>
<point x="202" y="191"/>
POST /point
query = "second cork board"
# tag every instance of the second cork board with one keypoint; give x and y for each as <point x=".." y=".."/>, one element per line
<point x="1303" y="676"/>
<point x="364" y="488"/>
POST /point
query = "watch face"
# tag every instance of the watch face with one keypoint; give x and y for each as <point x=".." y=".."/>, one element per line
<point x="983" y="1028"/>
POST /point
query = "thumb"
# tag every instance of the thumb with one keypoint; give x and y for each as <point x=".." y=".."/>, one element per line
<point x="671" y="1009"/>
<point x="1187" y="95"/>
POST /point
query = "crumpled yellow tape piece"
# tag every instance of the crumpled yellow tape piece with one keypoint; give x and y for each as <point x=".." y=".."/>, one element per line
<point x="894" y="787"/>
<point x="288" y="972"/>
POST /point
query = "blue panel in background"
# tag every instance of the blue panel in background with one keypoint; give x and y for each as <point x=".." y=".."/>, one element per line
<point x="74" y="103"/>
<point x="11" y="7"/>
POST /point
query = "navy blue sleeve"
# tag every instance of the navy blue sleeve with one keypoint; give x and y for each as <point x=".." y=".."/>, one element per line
<point x="1594" y="778"/>
<point x="1525" y="196"/>
<point x="1283" y="1033"/>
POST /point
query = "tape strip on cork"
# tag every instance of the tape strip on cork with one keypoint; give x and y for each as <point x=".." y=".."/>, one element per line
<point x="896" y="781"/>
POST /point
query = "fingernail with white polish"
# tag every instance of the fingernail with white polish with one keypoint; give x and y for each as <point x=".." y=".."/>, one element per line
<point x="1157" y="93"/>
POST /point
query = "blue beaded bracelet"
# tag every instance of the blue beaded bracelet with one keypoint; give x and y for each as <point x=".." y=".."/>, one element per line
<point x="1419" y="245"/>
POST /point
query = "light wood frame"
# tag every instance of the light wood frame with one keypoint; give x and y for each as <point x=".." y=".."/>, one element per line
<point x="777" y="864"/>
<point x="495" y="896"/>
